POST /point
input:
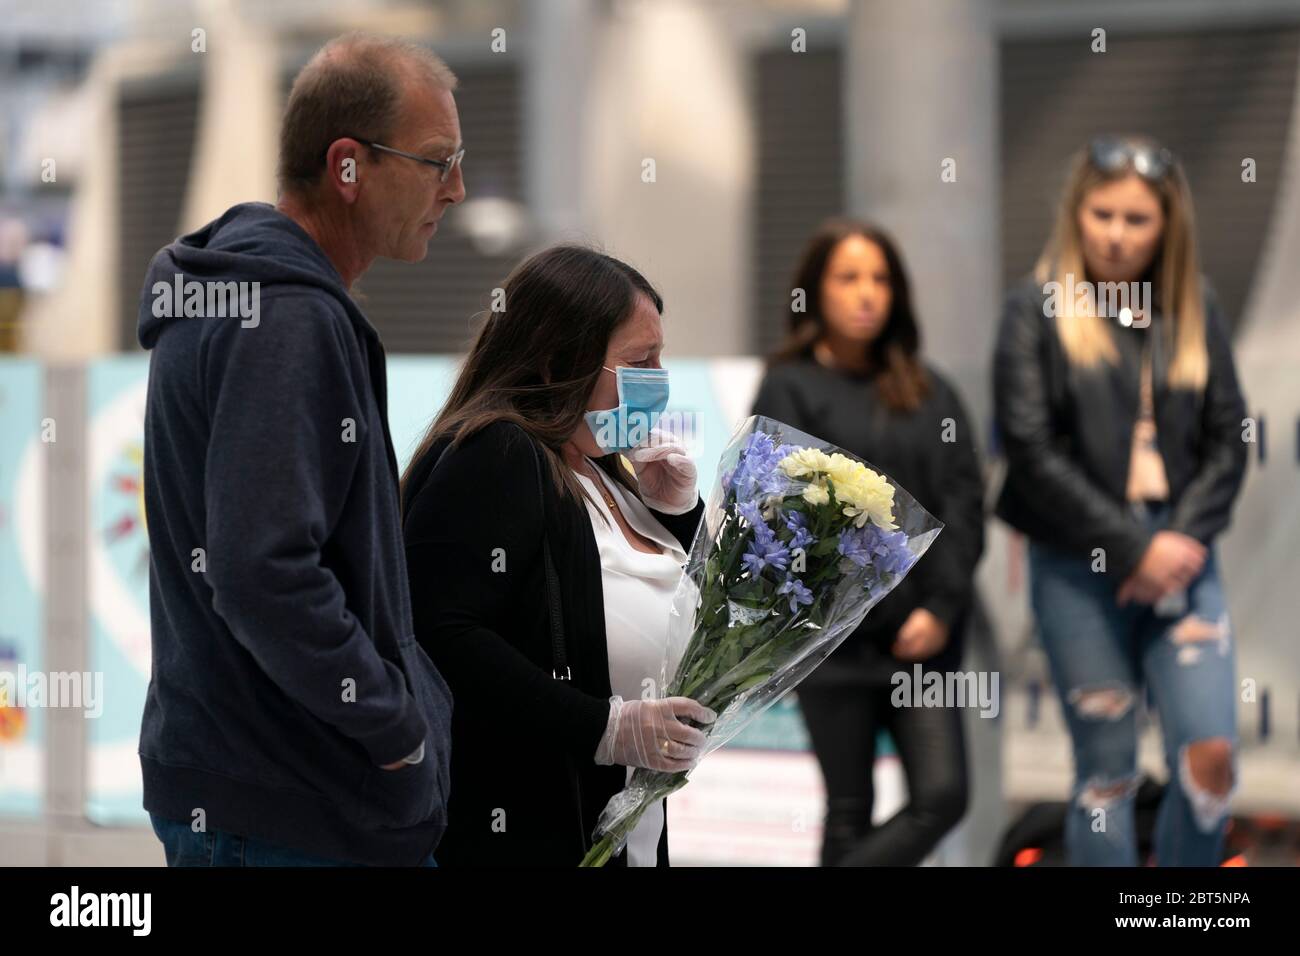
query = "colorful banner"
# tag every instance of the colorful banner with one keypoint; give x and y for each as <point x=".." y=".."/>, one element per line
<point x="117" y="554"/>
<point x="22" y="580"/>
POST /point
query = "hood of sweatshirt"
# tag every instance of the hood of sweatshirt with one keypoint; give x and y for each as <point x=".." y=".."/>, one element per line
<point x="250" y="243"/>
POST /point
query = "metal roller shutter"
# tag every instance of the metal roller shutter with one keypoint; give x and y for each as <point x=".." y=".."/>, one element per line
<point x="800" y="166"/>
<point x="156" y="127"/>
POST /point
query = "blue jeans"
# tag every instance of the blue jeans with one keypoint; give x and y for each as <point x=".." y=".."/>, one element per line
<point x="1103" y="658"/>
<point x="184" y="847"/>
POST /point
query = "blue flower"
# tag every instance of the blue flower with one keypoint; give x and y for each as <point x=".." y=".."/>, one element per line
<point x="797" y="523"/>
<point x="749" y="511"/>
<point x="798" y="593"/>
<point x="886" y="551"/>
<point x="764" y="552"/>
<point x="892" y="555"/>
<point x="853" y="547"/>
<point x="756" y="474"/>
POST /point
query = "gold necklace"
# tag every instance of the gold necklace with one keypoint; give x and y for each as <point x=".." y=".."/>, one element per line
<point x="600" y="486"/>
<point x="613" y="507"/>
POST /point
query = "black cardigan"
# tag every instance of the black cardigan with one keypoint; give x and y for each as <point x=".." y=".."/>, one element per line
<point x="473" y="552"/>
<point x="843" y="408"/>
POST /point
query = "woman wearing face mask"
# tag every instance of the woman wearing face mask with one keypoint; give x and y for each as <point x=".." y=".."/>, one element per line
<point x="851" y="373"/>
<point x="542" y="565"/>
<point x="1122" y="424"/>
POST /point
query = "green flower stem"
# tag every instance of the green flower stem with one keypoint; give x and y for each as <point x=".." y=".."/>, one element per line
<point x="603" y="850"/>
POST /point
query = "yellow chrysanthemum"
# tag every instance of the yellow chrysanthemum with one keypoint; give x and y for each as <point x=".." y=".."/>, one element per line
<point x="843" y="471"/>
<point x="870" y="497"/>
<point x="805" y="461"/>
<point x="864" y="494"/>
<point x="816" y="494"/>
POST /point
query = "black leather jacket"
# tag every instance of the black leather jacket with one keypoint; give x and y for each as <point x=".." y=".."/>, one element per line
<point x="1067" y="432"/>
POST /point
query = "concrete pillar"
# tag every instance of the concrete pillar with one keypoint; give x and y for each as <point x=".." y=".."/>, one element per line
<point x="236" y="142"/>
<point x="557" y="91"/>
<point x="1263" y="545"/>
<point x="921" y="100"/>
<point x="920" y="84"/>
<point x="668" y="84"/>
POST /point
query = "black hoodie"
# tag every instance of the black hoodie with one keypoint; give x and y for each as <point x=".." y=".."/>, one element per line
<point x="285" y="669"/>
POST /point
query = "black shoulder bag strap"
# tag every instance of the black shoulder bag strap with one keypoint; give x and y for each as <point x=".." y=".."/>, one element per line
<point x="555" y="614"/>
<point x="554" y="609"/>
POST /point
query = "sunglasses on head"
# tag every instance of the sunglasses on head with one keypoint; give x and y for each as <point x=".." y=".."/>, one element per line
<point x="1113" y="155"/>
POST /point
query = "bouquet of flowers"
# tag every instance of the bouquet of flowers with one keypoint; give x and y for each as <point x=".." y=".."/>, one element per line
<point x="800" y="540"/>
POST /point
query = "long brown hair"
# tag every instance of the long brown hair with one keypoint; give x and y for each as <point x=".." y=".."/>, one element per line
<point x="894" y="354"/>
<point x="1084" y="335"/>
<point x="536" y="362"/>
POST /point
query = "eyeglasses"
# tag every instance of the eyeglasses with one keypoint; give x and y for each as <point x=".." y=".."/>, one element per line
<point x="445" y="165"/>
<point x="1112" y="155"/>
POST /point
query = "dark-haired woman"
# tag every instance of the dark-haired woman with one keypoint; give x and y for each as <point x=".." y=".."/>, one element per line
<point x="526" y="527"/>
<point x="851" y="373"/>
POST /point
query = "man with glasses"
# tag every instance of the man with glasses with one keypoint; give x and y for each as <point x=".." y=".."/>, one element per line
<point x="291" y="718"/>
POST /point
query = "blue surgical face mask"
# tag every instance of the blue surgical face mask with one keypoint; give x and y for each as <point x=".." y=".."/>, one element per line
<point x="642" y="397"/>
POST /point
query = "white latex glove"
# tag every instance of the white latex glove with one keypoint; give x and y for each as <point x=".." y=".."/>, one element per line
<point x="650" y="733"/>
<point x="665" y="474"/>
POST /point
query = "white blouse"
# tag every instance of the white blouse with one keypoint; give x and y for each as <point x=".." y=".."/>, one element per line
<point x="638" y="593"/>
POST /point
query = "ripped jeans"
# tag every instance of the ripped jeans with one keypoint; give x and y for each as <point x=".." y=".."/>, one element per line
<point x="1102" y="658"/>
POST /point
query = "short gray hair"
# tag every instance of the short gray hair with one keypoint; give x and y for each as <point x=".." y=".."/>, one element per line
<point x="352" y="86"/>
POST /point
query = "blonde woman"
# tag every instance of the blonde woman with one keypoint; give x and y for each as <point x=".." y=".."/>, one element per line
<point x="1119" y="410"/>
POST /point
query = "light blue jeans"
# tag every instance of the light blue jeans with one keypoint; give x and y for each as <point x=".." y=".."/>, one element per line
<point x="1103" y="658"/>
